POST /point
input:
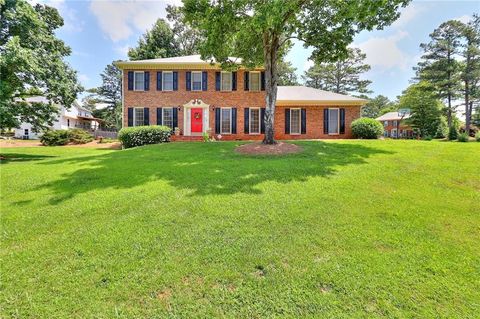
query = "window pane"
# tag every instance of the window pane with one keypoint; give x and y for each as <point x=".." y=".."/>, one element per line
<point x="138" y="116"/>
<point x="196" y="81"/>
<point x="254" y="81"/>
<point x="168" y="81"/>
<point x="226" y="81"/>
<point x="294" y="121"/>
<point x="139" y="81"/>
<point x="167" y="117"/>
<point x="254" y="121"/>
<point x="332" y="121"/>
<point x="226" y="121"/>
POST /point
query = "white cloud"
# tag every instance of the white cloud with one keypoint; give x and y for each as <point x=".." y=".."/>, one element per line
<point x="122" y="50"/>
<point x="308" y="64"/>
<point x="465" y="18"/>
<point x="120" y="19"/>
<point x="408" y="14"/>
<point x="383" y="52"/>
<point x="83" y="78"/>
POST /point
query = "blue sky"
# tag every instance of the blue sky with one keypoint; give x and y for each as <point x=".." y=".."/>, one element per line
<point x="101" y="31"/>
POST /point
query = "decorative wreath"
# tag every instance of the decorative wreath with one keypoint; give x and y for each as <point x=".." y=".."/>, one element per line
<point x="196" y="115"/>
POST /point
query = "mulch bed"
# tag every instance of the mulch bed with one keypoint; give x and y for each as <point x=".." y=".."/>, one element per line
<point x="262" y="149"/>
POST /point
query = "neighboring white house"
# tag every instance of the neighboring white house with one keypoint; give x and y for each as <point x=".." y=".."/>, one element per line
<point x="75" y="117"/>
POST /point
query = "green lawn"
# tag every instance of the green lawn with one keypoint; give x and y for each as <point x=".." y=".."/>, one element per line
<point x="344" y="229"/>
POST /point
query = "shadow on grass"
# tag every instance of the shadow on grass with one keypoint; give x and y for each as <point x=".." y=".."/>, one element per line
<point x="212" y="168"/>
<point x="17" y="157"/>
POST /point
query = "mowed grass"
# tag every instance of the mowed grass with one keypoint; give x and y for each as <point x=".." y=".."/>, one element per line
<point x="193" y="230"/>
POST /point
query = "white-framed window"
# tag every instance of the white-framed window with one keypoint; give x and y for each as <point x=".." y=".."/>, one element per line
<point x="394" y="132"/>
<point x="225" y="81"/>
<point x="295" y="118"/>
<point x="167" y="81"/>
<point x="167" y="117"/>
<point x="333" y="121"/>
<point x="385" y="123"/>
<point x="139" y="81"/>
<point x="225" y="120"/>
<point x="138" y="116"/>
<point x="196" y="80"/>
<point x="254" y="118"/>
<point x="395" y="123"/>
<point x="254" y="81"/>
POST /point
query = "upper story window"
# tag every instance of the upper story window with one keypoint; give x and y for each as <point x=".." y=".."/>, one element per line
<point x="139" y="81"/>
<point x="196" y="80"/>
<point x="254" y="81"/>
<point x="254" y="121"/>
<point x="333" y="121"/>
<point x="226" y="81"/>
<point x="226" y="120"/>
<point x="295" y="118"/>
<point x="167" y="84"/>
<point x="138" y="116"/>
<point x="395" y="123"/>
<point x="385" y="123"/>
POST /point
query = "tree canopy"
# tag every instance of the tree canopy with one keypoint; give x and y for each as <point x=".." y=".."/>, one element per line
<point x="377" y="106"/>
<point x="286" y="73"/>
<point x="259" y="32"/>
<point x="32" y="63"/>
<point x="342" y="76"/>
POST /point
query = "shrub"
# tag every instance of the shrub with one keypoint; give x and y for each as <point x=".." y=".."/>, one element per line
<point x="442" y="129"/>
<point x="367" y="128"/>
<point x="53" y="138"/>
<point x="452" y="133"/>
<point x="79" y="136"/>
<point x="463" y="137"/>
<point x="143" y="135"/>
<point x="477" y="137"/>
<point x="427" y="137"/>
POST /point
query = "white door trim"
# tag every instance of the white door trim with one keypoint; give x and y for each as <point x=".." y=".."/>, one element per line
<point x="197" y="103"/>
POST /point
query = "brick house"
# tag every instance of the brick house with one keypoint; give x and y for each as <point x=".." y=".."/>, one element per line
<point x="394" y="126"/>
<point x="196" y="96"/>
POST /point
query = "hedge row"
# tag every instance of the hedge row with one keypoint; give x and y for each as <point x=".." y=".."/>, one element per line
<point x="64" y="137"/>
<point x="143" y="135"/>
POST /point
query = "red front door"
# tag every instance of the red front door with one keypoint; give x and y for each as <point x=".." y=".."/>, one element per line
<point x="196" y="121"/>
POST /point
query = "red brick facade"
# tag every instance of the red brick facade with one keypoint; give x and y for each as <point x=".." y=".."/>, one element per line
<point x="391" y="127"/>
<point x="239" y="99"/>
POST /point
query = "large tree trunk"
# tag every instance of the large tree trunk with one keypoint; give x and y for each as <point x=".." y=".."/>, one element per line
<point x="271" y="43"/>
<point x="467" y="108"/>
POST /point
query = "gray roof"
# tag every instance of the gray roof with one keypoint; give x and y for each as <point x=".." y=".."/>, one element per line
<point x="303" y="95"/>
<point x="392" y="116"/>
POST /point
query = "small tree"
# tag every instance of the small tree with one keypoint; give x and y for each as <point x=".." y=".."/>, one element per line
<point x="259" y="32"/>
<point x="286" y="73"/>
<point x="342" y="76"/>
<point x="375" y="107"/>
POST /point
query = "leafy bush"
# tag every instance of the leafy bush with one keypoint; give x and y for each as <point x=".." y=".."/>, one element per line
<point x="367" y="128"/>
<point x="463" y="137"/>
<point x="143" y="135"/>
<point x="452" y="133"/>
<point x="477" y="137"/>
<point x="54" y="138"/>
<point x="442" y="129"/>
<point x="427" y="138"/>
<point x="79" y="136"/>
<point x="63" y="137"/>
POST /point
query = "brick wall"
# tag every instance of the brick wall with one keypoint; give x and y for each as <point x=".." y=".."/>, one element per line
<point x="239" y="99"/>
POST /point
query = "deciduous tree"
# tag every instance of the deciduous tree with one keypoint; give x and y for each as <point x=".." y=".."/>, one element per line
<point x="286" y="73"/>
<point x="259" y="32"/>
<point x="32" y="63"/>
<point x="187" y="38"/>
<point x="377" y="106"/>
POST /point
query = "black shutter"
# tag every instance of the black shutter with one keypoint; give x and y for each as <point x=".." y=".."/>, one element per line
<point x="188" y="80"/>
<point x="217" y="81"/>
<point x="234" y="81"/>
<point x="159" y="116"/>
<point x="159" y="80"/>
<point x="287" y="121"/>
<point x="245" y="81"/>
<point x="146" y="118"/>
<point x="130" y="116"/>
<point x="175" y="81"/>
<point x="234" y="120"/>
<point x="130" y="80"/>
<point x="217" y="120"/>
<point x="175" y="117"/>
<point x="246" y="120"/>
<point x="325" y="121"/>
<point x="204" y="81"/>
<point x="147" y="80"/>
<point x="342" y="121"/>
<point x="262" y="120"/>
<point x="304" y="122"/>
<point x="262" y="78"/>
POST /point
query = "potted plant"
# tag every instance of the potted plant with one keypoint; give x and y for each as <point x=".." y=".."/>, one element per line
<point x="177" y="131"/>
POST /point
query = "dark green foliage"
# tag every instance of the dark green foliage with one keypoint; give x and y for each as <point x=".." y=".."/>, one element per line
<point x="286" y="73"/>
<point x="477" y="137"/>
<point x="366" y="128"/>
<point x="377" y="106"/>
<point x="32" y="63"/>
<point x="463" y="137"/>
<point x="452" y="133"/>
<point x="64" y="137"/>
<point x="143" y="135"/>
<point x="342" y="76"/>
<point x="442" y="129"/>
<point x="427" y="137"/>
